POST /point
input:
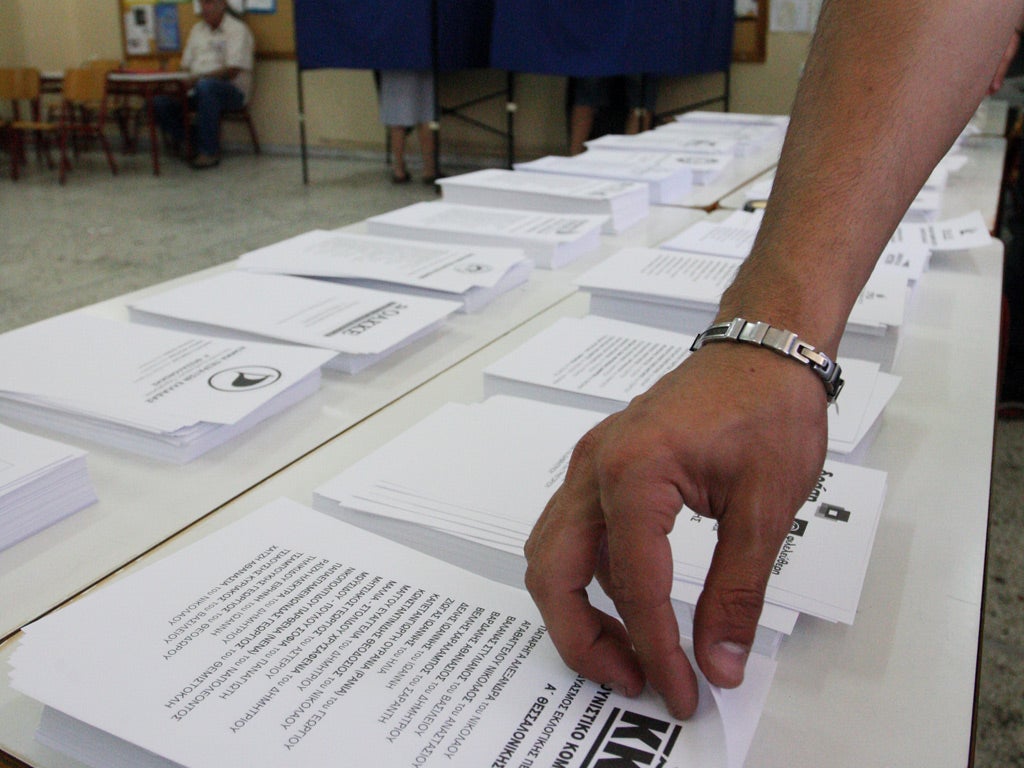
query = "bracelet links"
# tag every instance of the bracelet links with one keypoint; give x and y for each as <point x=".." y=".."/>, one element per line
<point x="783" y="342"/>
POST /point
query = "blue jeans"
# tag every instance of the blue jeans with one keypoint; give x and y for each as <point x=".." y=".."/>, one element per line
<point x="208" y="99"/>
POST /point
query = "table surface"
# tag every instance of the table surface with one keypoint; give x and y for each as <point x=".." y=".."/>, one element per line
<point x="896" y="688"/>
<point x="143" y="501"/>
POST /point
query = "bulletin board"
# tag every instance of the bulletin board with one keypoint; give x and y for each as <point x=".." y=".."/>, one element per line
<point x="158" y="30"/>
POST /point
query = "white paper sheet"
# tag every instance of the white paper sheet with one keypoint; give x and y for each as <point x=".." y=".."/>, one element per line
<point x="292" y="639"/>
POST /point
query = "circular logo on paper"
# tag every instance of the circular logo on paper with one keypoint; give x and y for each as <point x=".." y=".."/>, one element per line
<point x="245" y="378"/>
<point x="473" y="268"/>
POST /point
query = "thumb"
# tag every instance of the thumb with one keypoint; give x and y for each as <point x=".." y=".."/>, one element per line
<point x="729" y="606"/>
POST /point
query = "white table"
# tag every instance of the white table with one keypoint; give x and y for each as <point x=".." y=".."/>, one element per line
<point x="909" y="661"/>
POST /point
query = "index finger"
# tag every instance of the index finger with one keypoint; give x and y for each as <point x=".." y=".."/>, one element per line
<point x="562" y="556"/>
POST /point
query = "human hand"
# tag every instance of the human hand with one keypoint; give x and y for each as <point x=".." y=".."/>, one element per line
<point x="735" y="433"/>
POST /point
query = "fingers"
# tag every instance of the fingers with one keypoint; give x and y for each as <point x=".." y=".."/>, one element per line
<point x="562" y="557"/>
<point x="729" y="607"/>
<point x="639" y="581"/>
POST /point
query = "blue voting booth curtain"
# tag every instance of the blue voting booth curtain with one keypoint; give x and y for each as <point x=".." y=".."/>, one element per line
<point x="392" y="34"/>
<point x="597" y="38"/>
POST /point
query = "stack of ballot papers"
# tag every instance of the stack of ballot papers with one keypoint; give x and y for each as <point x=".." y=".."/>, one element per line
<point x="707" y="118"/>
<point x="624" y="203"/>
<point x="669" y="178"/>
<point x="668" y="175"/>
<point x="701" y="143"/>
<point x="601" y="364"/>
<point x="680" y="291"/>
<point x="360" y="325"/>
<point x="41" y="481"/>
<point x="748" y="137"/>
<point x="164" y="394"/>
<point x="472" y="275"/>
<point x="291" y="639"/>
<point x="732" y="236"/>
<point x="469" y="482"/>
<point x="552" y="240"/>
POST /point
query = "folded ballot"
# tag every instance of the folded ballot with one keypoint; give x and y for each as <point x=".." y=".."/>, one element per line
<point x="473" y="275"/>
<point x="291" y="639"/>
<point x="512" y="454"/>
<point x="360" y="325"/>
<point x="165" y="394"/>
<point x="624" y="203"/>
<point x="552" y="240"/>
<point x="601" y="364"/>
<point x="41" y="481"/>
<point x="680" y="291"/>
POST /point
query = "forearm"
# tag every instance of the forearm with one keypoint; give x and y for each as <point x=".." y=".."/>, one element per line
<point x="888" y="86"/>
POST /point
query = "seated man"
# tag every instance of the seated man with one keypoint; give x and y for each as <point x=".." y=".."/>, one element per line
<point x="219" y="56"/>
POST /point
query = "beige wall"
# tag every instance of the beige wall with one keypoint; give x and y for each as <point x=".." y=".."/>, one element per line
<point x="340" y="105"/>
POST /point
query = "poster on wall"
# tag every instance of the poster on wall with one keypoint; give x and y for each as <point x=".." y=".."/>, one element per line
<point x="168" y="34"/>
<point x="238" y="6"/>
<point x="139" y="30"/>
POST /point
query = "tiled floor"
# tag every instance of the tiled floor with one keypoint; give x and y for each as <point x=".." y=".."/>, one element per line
<point x="101" y="236"/>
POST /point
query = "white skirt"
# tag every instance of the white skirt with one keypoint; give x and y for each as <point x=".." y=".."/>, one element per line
<point x="406" y="97"/>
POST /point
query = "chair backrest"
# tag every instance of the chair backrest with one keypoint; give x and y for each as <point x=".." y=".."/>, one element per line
<point x="85" y="85"/>
<point x="19" y="84"/>
<point x="106" y="65"/>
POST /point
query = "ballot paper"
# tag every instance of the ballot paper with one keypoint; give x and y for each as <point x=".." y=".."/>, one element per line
<point x="748" y="137"/>
<point x="41" y="481"/>
<point x="471" y="274"/>
<point x="486" y="510"/>
<point x="669" y="177"/>
<point x="552" y="240"/>
<point x="707" y="117"/>
<point x="680" y="291"/>
<point x="361" y="325"/>
<point x="956" y="234"/>
<point x="624" y="203"/>
<point x="165" y="394"/>
<point x="601" y="364"/>
<point x="702" y="143"/>
<point x="291" y="639"/>
<point x="733" y="236"/>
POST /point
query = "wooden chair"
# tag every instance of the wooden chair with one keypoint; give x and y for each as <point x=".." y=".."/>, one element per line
<point x="242" y="116"/>
<point x="82" y="113"/>
<point x="20" y="87"/>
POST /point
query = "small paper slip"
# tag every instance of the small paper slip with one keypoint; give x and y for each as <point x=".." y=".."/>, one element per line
<point x="704" y="143"/>
<point x="165" y="394"/>
<point x="668" y="176"/>
<point x="733" y="237"/>
<point x="551" y="240"/>
<point x="601" y="364"/>
<point x="624" y="203"/>
<point x="361" y="325"/>
<point x="910" y="260"/>
<point x="41" y="481"/>
<point x="821" y="565"/>
<point x="291" y="639"/>
<point x="958" y="234"/>
<point x="473" y="275"/>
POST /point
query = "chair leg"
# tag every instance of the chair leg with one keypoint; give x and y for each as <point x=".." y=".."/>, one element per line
<point x="106" y="148"/>
<point x="252" y="133"/>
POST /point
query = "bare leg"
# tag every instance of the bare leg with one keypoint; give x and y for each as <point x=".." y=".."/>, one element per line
<point x="581" y="120"/>
<point x="428" y="148"/>
<point x="397" y="135"/>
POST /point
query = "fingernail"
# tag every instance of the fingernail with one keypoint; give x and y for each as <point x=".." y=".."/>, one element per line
<point x="730" y="659"/>
<point x="618" y="689"/>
